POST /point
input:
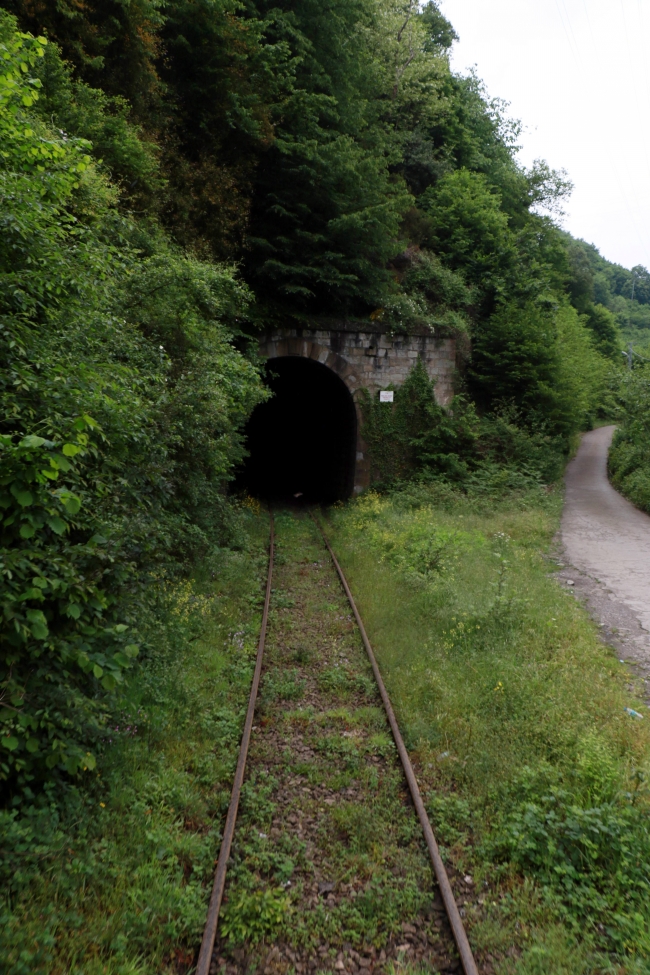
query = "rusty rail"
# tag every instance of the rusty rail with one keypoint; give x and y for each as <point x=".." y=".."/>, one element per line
<point x="210" y="930"/>
<point x="455" y="920"/>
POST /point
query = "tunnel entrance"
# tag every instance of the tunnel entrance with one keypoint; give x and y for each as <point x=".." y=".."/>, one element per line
<point x="304" y="438"/>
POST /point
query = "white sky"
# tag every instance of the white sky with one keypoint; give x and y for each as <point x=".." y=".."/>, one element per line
<point x="577" y="74"/>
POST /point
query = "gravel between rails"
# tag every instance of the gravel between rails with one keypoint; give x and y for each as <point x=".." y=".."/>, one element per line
<point x="326" y="828"/>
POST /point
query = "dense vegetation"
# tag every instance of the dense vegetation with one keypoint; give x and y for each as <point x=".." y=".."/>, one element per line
<point x="123" y="399"/>
<point x="173" y="175"/>
<point x="599" y="285"/>
<point x="535" y="777"/>
<point x="629" y="456"/>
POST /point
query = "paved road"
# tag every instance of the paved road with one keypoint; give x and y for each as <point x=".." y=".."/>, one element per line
<point x="608" y="540"/>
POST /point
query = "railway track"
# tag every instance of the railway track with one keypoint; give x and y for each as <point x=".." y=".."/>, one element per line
<point x="328" y="861"/>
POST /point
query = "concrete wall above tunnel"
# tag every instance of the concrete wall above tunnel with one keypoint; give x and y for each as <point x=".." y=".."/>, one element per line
<point x="364" y="356"/>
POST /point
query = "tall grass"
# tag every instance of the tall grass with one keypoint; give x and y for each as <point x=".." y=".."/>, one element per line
<point x="111" y="875"/>
<point x="515" y="712"/>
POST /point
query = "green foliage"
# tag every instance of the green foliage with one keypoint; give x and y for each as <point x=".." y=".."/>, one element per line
<point x="358" y="826"/>
<point x="516" y="356"/>
<point x="57" y="634"/>
<point x="469" y="225"/>
<point x="603" y="324"/>
<point x="440" y="32"/>
<point x="326" y="209"/>
<point x="595" y="286"/>
<point x="334" y="679"/>
<point x="422" y="555"/>
<point x="115" y="449"/>
<point x="594" y="856"/>
<point x="254" y="915"/>
<point x="282" y="685"/>
<point x="218" y="78"/>
<point x="319" y="159"/>
<point x="89" y="113"/>
<point x="558" y="951"/>
<point x="190" y="311"/>
<point x="629" y="456"/>
<point x="533" y="774"/>
<point x="541" y="360"/>
<point x="112" y="44"/>
<point x="430" y="295"/>
<point x="509" y="447"/>
<point x="415" y="433"/>
<point x="113" y="872"/>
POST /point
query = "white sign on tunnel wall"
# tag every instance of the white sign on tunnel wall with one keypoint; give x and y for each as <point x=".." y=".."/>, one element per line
<point x="385" y="395"/>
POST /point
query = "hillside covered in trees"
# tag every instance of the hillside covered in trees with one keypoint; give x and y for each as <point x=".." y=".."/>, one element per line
<point x="174" y="176"/>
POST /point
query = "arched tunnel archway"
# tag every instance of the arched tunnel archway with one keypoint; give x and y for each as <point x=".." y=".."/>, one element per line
<point x="304" y="438"/>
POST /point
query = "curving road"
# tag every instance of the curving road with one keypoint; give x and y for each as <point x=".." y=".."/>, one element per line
<point x="607" y="540"/>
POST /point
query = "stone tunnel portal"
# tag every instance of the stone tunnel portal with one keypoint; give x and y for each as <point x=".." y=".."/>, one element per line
<point x="303" y="439"/>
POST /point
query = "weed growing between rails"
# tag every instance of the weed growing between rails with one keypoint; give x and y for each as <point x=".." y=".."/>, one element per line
<point x="330" y="871"/>
<point x="113" y="878"/>
<point x="513" y="710"/>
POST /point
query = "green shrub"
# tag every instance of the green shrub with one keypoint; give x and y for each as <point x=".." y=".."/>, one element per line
<point x="415" y="434"/>
<point x="282" y="685"/>
<point x="417" y="438"/>
<point x="629" y="456"/>
<point x="595" y="858"/>
<point x="544" y="361"/>
<point x="123" y="402"/>
<point x="254" y="915"/>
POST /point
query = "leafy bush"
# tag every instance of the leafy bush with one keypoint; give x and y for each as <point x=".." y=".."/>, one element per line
<point x="417" y="434"/>
<point x="543" y="361"/>
<point x="358" y="826"/>
<point x="422" y="554"/>
<point x="89" y="113"/>
<point x="254" y="915"/>
<point x="469" y="225"/>
<point x="418" y="438"/>
<point x="123" y="405"/>
<point x="629" y="456"/>
<point x="431" y="295"/>
<point x="282" y="685"/>
<point x="516" y="455"/>
<point x="58" y="632"/>
<point x="594" y="857"/>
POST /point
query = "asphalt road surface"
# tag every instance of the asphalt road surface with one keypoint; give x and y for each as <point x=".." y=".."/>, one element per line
<point x="607" y="541"/>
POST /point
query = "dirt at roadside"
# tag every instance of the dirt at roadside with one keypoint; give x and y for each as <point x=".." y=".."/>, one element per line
<point x="619" y="626"/>
<point x="603" y="554"/>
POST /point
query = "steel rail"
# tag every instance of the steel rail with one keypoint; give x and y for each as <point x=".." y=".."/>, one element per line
<point x="210" y="930"/>
<point x="455" y="920"/>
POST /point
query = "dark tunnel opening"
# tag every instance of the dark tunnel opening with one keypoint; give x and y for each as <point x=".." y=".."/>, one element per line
<point x="303" y="440"/>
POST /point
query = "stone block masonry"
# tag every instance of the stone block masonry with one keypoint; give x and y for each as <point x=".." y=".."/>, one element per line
<point x="364" y="356"/>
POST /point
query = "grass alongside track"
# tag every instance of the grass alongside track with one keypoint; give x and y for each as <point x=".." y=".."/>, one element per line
<point x="534" y="772"/>
<point x="112" y="877"/>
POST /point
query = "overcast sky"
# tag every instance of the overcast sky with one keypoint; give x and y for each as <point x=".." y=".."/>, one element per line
<point x="577" y="74"/>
